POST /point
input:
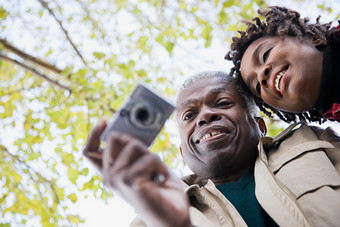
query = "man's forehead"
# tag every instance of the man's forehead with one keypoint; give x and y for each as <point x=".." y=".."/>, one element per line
<point x="187" y="99"/>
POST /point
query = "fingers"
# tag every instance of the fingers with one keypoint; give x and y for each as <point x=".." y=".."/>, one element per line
<point x="124" y="146"/>
<point x="115" y="142"/>
<point x="146" y="171"/>
<point x="93" y="140"/>
<point x="127" y="159"/>
<point x="91" y="149"/>
<point x="135" y="182"/>
<point x="130" y="170"/>
<point x="94" y="155"/>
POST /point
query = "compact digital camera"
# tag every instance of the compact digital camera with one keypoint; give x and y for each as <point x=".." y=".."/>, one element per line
<point x="142" y="115"/>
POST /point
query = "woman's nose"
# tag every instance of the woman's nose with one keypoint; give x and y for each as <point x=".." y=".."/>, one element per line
<point x="264" y="75"/>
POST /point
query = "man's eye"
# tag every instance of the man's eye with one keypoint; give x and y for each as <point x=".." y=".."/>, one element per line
<point x="223" y="103"/>
<point x="266" y="54"/>
<point x="188" y="116"/>
<point x="258" y="88"/>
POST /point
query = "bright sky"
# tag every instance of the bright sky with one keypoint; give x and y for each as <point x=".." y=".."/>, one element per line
<point x="117" y="212"/>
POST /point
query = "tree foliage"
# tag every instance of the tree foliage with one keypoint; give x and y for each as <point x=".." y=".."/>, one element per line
<point x="64" y="64"/>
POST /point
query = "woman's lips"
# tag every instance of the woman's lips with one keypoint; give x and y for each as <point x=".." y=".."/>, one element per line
<point x="278" y="81"/>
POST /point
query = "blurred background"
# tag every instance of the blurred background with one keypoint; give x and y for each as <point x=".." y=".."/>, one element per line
<point x="65" y="64"/>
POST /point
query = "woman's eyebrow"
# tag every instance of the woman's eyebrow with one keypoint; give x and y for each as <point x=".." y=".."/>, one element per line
<point x="256" y="51"/>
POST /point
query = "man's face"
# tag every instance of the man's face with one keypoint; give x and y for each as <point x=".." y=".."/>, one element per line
<point x="286" y="74"/>
<point x="218" y="134"/>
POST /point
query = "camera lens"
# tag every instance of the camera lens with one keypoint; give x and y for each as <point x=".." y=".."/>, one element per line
<point x="144" y="115"/>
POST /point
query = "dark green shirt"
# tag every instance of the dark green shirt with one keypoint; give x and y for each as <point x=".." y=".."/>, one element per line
<point x="242" y="195"/>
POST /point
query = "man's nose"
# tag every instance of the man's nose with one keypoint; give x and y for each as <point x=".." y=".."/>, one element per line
<point x="264" y="75"/>
<point x="208" y="115"/>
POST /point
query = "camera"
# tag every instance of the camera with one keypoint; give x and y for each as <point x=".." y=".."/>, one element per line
<point x="142" y="115"/>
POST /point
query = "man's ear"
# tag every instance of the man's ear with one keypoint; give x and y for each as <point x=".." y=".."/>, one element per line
<point x="262" y="126"/>
<point x="180" y="150"/>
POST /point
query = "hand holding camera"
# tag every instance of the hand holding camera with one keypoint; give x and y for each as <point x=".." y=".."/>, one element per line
<point x="128" y="167"/>
<point x="142" y="115"/>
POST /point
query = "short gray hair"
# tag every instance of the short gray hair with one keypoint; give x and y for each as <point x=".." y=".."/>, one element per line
<point x="248" y="98"/>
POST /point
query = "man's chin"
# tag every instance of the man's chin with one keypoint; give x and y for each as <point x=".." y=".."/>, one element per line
<point x="216" y="147"/>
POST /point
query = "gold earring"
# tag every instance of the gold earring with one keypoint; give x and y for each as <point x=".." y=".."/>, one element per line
<point x="263" y="131"/>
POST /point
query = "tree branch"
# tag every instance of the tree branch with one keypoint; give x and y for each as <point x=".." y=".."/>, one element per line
<point x="44" y="4"/>
<point x="9" y="47"/>
<point x="4" y="149"/>
<point x="43" y="76"/>
<point x="95" y="24"/>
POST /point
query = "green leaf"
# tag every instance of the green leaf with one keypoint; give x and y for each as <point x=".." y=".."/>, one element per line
<point x="98" y="55"/>
<point x="3" y="13"/>
<point x="159" y="38"/>
<point x="41" y="13"/>
<point x="169" y="46"/>
<point x="33" y="156"/>
<point x="67" y="71"/>
<point x="102" y="50"/>
<point x="72" y="175"/>
<point x="85" y="172"/>
<point x="73" y="197"/>
<point x="75" y="219"/>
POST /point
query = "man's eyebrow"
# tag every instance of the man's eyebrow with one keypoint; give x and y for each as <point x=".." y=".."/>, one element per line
<point x="185" y="104"/>
<point x="193" y="101"/>
<point x="219" y="90"/>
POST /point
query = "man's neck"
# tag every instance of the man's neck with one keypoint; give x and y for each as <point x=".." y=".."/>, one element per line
<point x="218" y="180"/>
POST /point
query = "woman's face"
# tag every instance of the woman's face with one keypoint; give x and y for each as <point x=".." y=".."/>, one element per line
<point x="286" y="73"/>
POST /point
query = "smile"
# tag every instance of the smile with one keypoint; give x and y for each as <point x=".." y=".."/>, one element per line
<point x="278" y="80"/>
<point x="209" y="135"/>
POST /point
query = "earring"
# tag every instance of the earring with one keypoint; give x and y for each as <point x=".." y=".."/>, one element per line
<point x="263" y="131"/>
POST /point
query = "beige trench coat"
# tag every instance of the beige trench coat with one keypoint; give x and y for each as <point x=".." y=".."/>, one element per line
<point x="297" y="182"/>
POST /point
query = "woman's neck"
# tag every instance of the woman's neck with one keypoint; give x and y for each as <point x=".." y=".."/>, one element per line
<point x="330" y="85"/>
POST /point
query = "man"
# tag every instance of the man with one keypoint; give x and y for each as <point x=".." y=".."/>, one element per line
<point x="295" y="176"/>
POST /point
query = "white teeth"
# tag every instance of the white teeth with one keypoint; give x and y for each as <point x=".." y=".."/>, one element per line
<point x="208" y="135"/>
<point x="278" y="79"/>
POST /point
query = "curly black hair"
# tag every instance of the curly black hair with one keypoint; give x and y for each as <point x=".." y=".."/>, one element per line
<point x="282" y="22"/>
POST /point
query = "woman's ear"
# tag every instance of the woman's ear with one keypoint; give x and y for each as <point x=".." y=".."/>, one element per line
<point x="318" y="43"/>
<point x="262" y="126"/>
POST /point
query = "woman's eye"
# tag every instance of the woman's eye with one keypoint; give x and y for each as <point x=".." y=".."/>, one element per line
<point x="266" y="54"/>
<point x="258" y="88"/>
